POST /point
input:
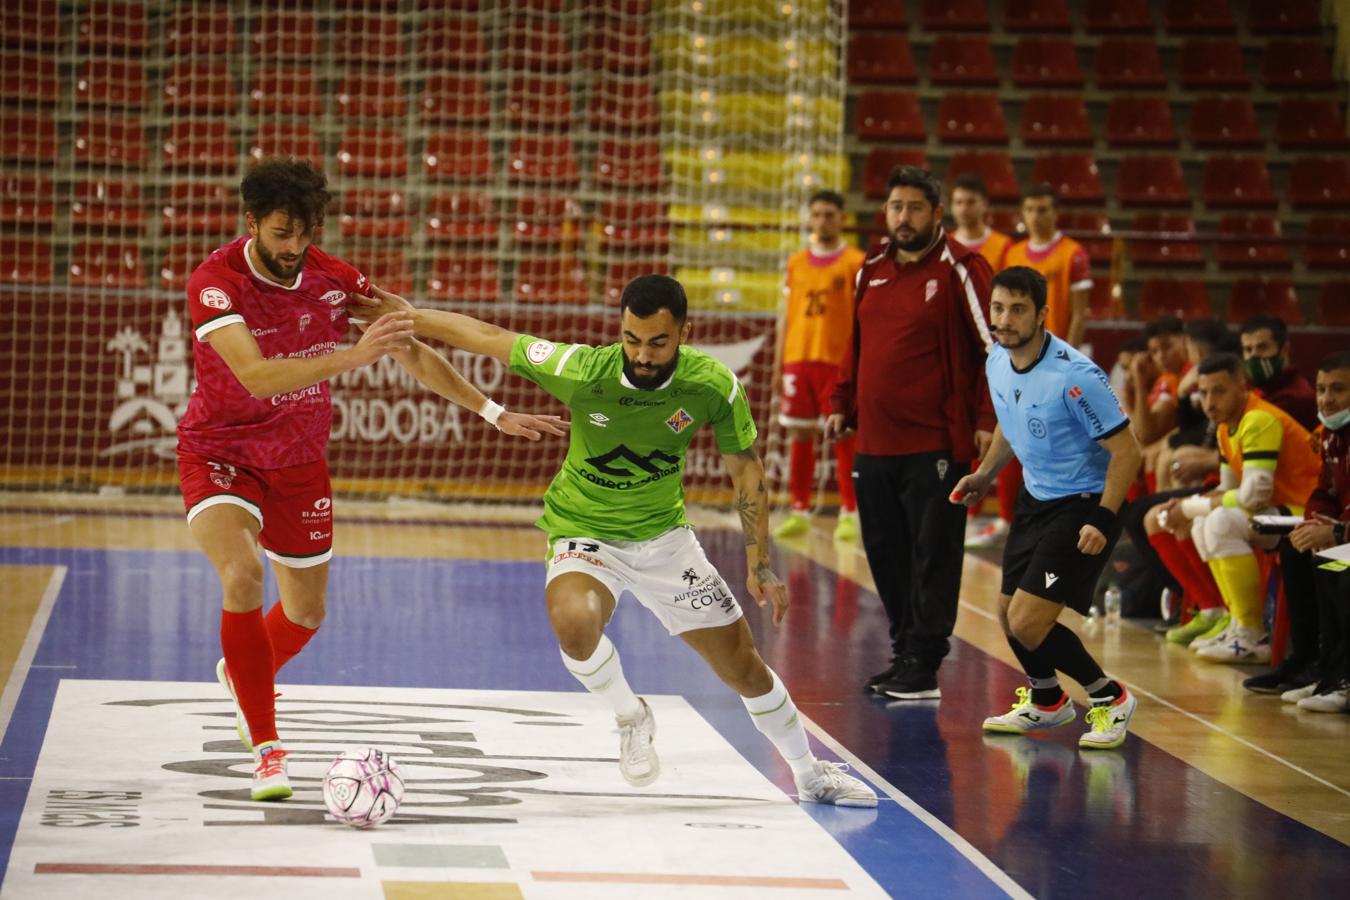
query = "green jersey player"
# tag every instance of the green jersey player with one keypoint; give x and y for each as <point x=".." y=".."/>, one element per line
<point x="615" y="514"/>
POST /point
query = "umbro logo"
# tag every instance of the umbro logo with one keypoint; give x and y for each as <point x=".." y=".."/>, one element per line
<point x="1050" y="578"/>
<point x="877" y="282"/>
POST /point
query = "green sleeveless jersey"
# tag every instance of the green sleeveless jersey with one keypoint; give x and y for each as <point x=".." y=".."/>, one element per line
<point x="621" y="479"/>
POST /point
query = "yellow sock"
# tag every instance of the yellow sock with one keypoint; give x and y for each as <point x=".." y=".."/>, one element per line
<point x="1239" y="579"/>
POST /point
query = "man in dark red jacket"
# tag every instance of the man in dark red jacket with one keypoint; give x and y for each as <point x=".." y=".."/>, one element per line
<point x="913" y="386"/>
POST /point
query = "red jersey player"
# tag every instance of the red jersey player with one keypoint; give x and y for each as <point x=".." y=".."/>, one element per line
<point x="269" y="314"/>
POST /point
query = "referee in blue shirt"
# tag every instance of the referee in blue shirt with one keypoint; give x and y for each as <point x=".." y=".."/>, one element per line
<point x="1058" y="415"/>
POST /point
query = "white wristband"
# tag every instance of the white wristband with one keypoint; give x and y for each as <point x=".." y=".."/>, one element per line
<point x="1196" y="506"/>
<point x="491" y="412"/>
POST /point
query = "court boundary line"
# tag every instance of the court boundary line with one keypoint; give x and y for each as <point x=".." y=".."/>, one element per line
<point x="23" y="663"/>
<point x="984" y="864"/>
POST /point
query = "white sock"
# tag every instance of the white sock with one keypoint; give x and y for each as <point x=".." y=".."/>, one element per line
<point x="775" y="715"/>
<point x="602" y="674"/>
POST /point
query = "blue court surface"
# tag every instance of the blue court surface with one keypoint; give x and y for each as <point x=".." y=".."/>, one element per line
<point x="962" y="815"/>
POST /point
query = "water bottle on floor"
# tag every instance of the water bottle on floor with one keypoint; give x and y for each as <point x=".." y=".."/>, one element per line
<point x="1111" y="604"/>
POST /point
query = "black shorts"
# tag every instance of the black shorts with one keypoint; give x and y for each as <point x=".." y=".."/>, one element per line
<point x="1042" y="557"/>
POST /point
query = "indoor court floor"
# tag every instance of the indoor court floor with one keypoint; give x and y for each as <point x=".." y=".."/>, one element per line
<point x="120" y="775"/>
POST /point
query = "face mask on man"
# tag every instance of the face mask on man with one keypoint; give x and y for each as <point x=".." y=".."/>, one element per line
<point x="1263" y="369"/>
<point x="1335" y="421"/>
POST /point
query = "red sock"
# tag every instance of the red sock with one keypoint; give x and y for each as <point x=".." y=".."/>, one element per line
<point x="843" y="473"/>
<point x="287" y="637"/>
<point x="248" y="656"/>
<point x="1009" y="483"/>
<point x="1201" y="591"/>
<point x="801" y="474"/>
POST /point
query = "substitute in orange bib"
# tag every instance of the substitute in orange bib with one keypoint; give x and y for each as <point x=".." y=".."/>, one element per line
<point x="813" y="336"/>
<point x="1062" y="261"/>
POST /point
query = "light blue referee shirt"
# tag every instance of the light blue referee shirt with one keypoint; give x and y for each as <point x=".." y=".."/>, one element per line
<point x="1055" y="413"/>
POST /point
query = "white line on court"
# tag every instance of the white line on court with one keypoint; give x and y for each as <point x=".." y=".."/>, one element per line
<point x="999" y="877"/>
<point x="19" y="674"/>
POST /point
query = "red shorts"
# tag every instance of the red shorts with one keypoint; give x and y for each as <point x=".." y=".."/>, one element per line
<point x="293" y="506"/>
<point x="807" y="387"/>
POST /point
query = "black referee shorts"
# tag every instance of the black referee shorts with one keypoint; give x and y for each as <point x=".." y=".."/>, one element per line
<point x="1042" y="557"/>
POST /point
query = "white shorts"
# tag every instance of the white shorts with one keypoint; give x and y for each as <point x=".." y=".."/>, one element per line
<point x="668" y="574"/>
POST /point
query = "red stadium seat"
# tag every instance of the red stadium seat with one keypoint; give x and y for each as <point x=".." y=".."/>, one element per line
<point x="1320" y="182"/>
<point x="1184" y="298"/>
<point x="888" y="116"/>
<point x="867" y="14"/>
<point x="1045" y="62"/>
<point x="33" y="23"/>
<point x="462" y="217"/>
<point x="180" y="261"/>
<point x="285" y="91"/>
<point x="627" y="164"/>
<point x="106" y="82"/>
<point x="106" y="264"/>
<point x="456" y="99"/>
<point x="1236" y="181"/>
<point x="1329" y="255"/>
<point x="1055" y="119"/>
<point x="550" y="279"/>
<point x="994" y="166"/>
<point x="285" y="35"/>
<point x="540" y="46"/>
<point x="1225" y="122"/>
<point x="880" y="58"/>
<point x="1285" y="17"/>
<point x="971" y="119"/>
<point x="1129" y="63"/>
<point x="1008" y="221"/>
<point x="1333" y="304"/>
<point x="457" y="155"/>
<point x="193" y="208"/>
<point x="28" y="138"/>
<point x="954" y="15"/>
<point x="634" y="225"/>
<point x="119" y="27"/>
<point x="25" y="260"/>
<point x="286" y="139"/>
<point x="1093" y="232"/>
<point x="1140" y="122"/>
<point x="1264" y="296"/>
<point x="373" y="152"/>
<point x="619" y="48"/>
<point x="368" y="38"/>
<point x="1104" y="301"/>
<point x="107" y="204"/>
<point x="109" y="141"/>
<point x="1074" y="177"/>
<point x="371" y="95"/>
<point x="202" y="145"/>
<point x="1151" y="181"/>
<point x="1208" y="64"/>
<point x="200" y="86"/>
<point x="1251" y="252"/>
<point x="617" y="105"/>
<point x="29" y="79"/>
<point x="200" y="29"/>
<point x="1036" y="16"/>
<point x="1118" y="17"/>
<point x="544" y="220"/>
<point x="27" y="201"/>
<point x="1297" y="65"/>
<point x="1311" y="123"/>
<point x="534" y="103"/>
<point x="620" y="273"/>
<point x="956" y="60"/>
<point x="546" y="160"/>
<point x="471" y="278"/>
<point x="385" y="266"/>
<point x="1165" y="252"/>
<point x="374" y="215"/>
<point x="452" y="42"/>
<point x="1198" y="17"/>
<point x="878" y="165"/>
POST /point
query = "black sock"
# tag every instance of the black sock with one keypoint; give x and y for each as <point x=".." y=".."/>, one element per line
<point x="1038" y="668"/>
<point x="1067" y="653"/>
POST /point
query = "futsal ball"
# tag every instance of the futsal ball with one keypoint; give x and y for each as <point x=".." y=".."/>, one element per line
<point x="363" y="787"/>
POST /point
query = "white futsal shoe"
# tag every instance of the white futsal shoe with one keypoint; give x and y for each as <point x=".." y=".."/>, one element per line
<point x="1109" y="723"/>
<point x="270" y="779"/>
<point x="1027" y="716"/>
<point x="832" y="785"/>
<point x="637" y="756"/>
<point x="1238" y="645"/>
<point x="240" y="723"/>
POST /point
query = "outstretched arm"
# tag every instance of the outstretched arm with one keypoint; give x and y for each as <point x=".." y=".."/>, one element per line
<point x="752" y="503"/>
<point x="455" y="329"/>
